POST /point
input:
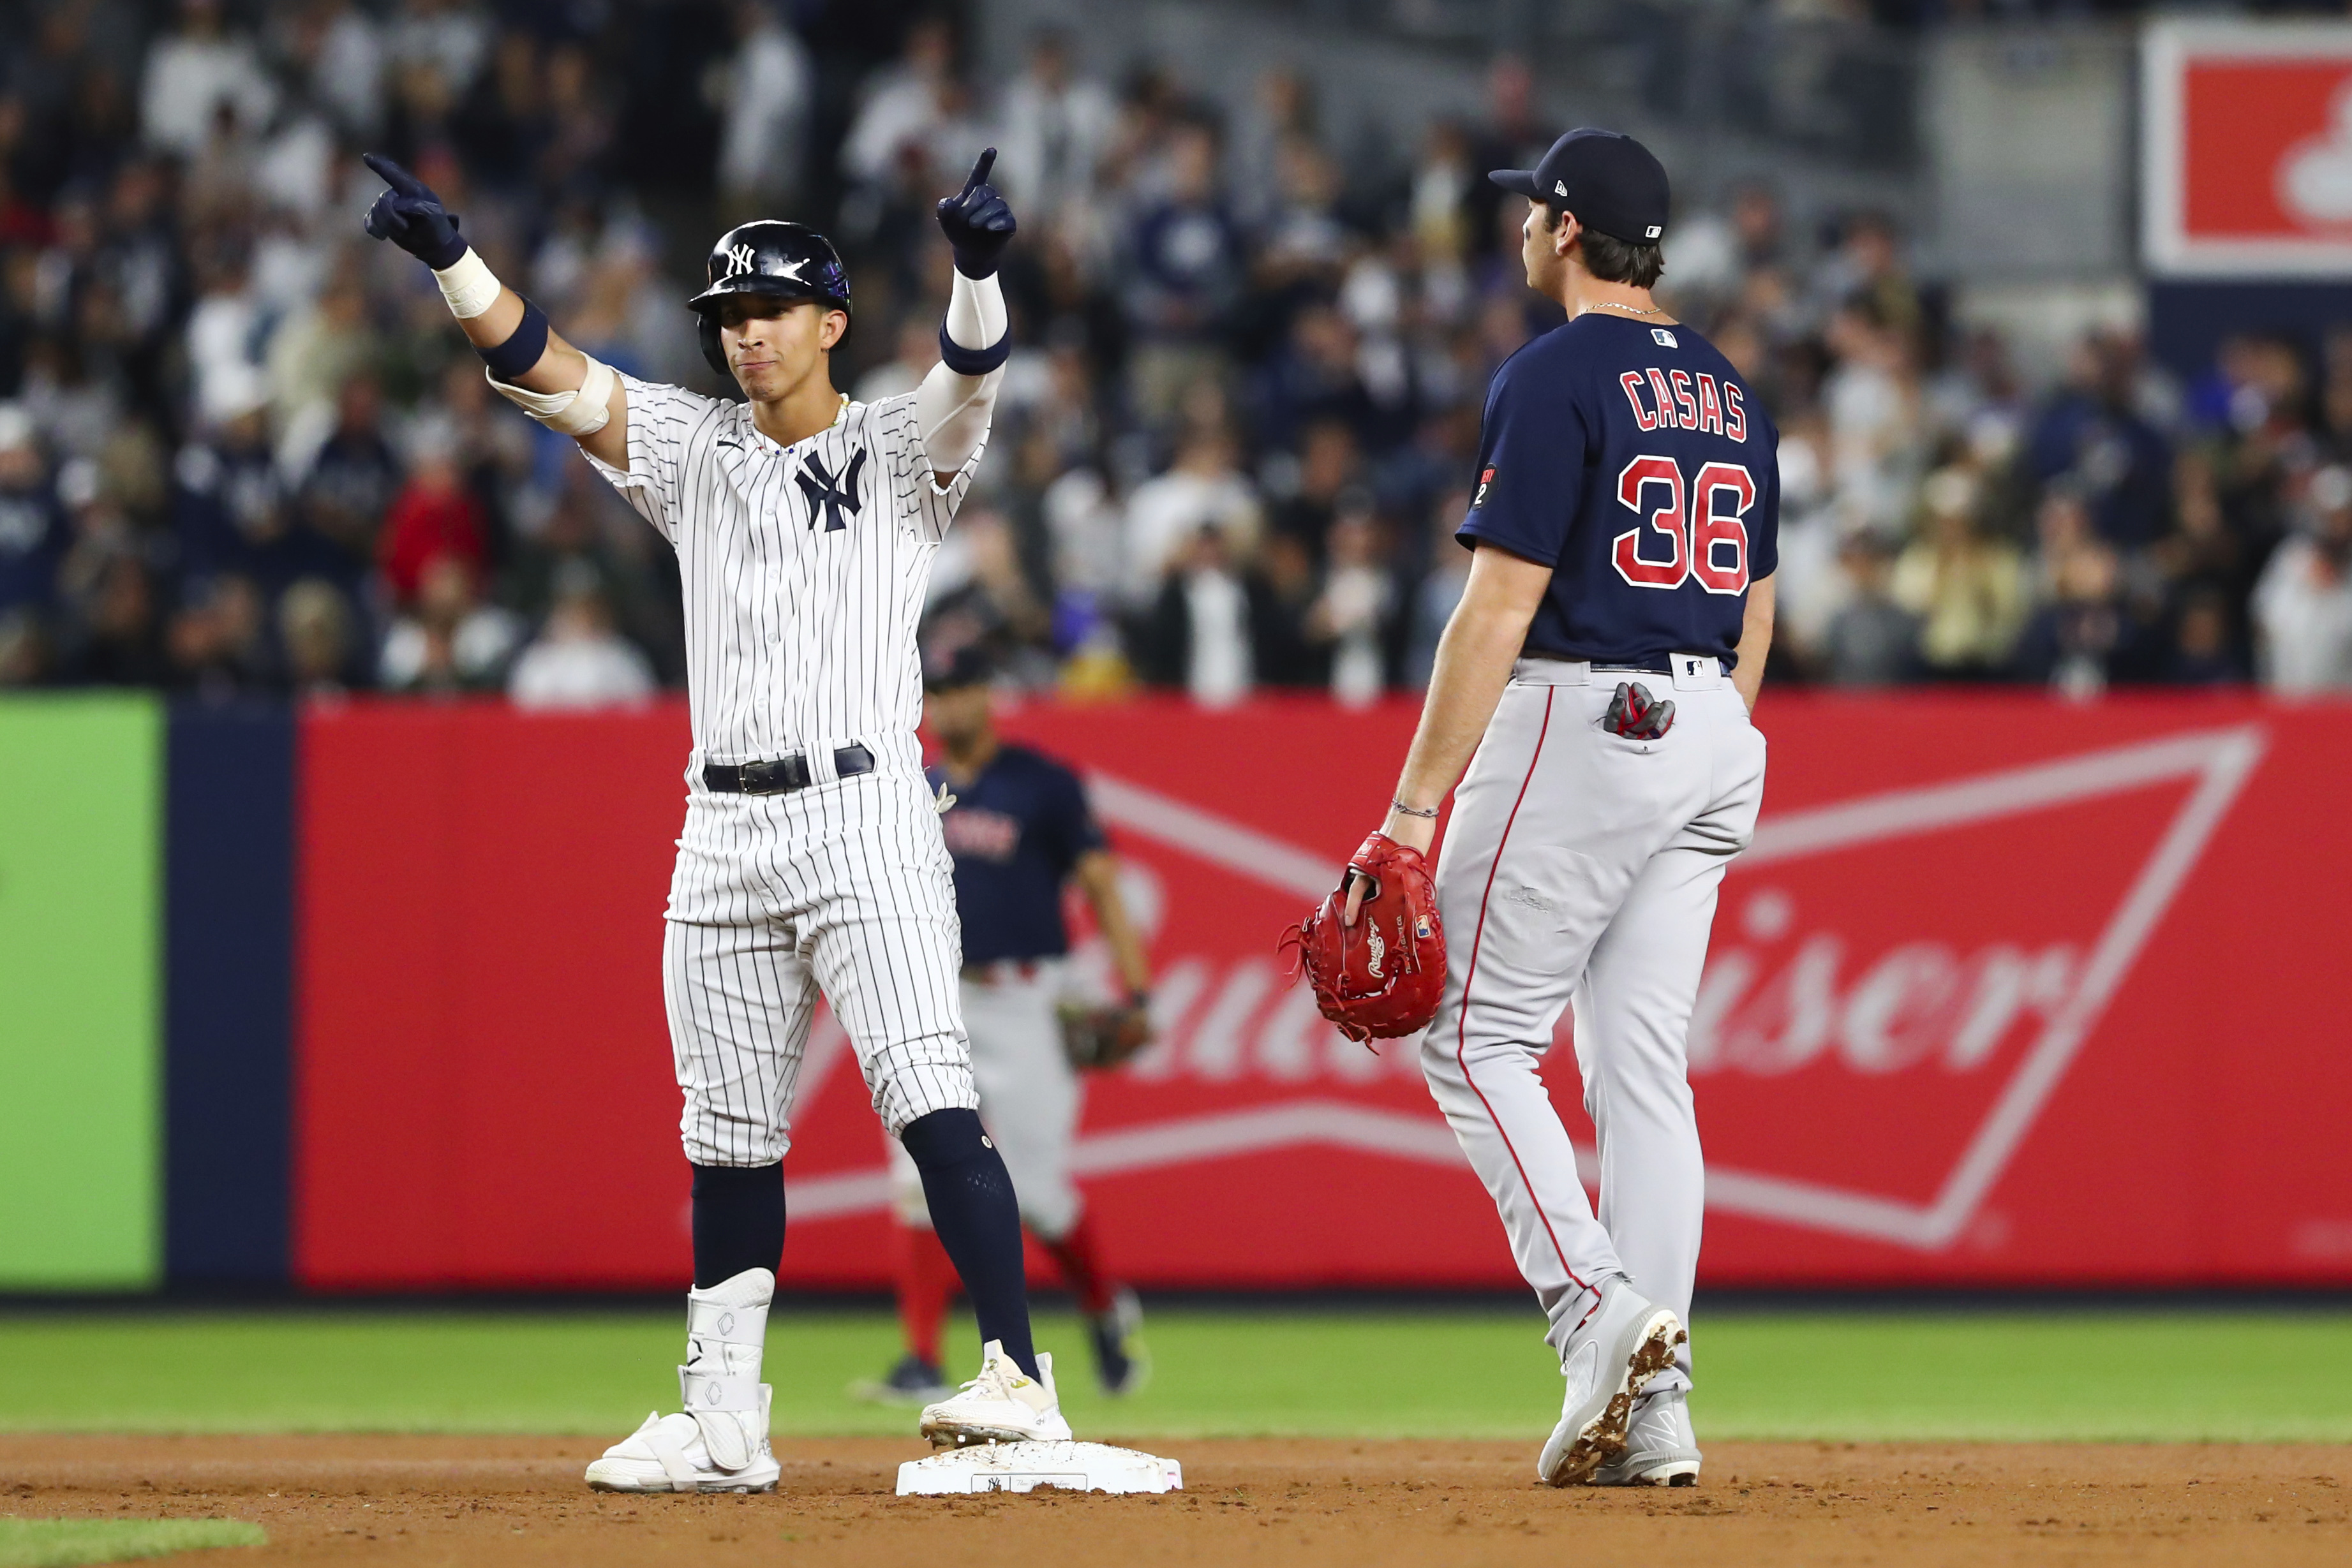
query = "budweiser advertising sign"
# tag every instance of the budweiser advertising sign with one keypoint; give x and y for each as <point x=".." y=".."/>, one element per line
<point x="2005" y="992"/>
<point x="2246" y="147"/>
<point x="1899" y="981"/>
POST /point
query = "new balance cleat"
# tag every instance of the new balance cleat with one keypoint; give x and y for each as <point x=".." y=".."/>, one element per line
<point x="1661" y="1450"/>
<point x="1627" y="1340"/>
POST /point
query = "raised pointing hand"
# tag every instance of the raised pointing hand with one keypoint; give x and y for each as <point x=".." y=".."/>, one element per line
<point x="979" y="177"/>
<point x="411" y="216"/>
<point x="398" y="178"/>
<point x="977" y="222"/>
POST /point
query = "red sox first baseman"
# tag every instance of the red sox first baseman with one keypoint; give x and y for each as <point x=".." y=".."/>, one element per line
<point x="1602" y="663"/>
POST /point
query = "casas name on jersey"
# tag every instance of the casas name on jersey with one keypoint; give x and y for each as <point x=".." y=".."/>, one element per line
<point x="1681" y="401"/>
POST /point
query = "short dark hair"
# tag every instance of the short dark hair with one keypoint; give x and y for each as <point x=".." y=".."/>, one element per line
<point x="1612" y="259"/>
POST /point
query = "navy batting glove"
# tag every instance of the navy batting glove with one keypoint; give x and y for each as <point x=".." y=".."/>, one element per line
<point x="977" y="222"/>
<point x="412" y="217"/>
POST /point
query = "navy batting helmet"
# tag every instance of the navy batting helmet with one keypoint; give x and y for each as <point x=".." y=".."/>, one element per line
<point x="790" y="262"/>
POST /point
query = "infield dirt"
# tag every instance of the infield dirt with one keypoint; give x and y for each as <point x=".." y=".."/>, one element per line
<point x="495" y="1502"/>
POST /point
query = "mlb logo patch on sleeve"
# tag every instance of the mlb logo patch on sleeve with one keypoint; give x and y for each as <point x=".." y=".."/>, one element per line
<point x="1664" y="338"/>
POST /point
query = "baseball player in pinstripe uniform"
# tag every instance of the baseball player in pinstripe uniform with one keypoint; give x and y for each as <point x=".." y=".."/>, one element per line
<point x="811" y="858"/>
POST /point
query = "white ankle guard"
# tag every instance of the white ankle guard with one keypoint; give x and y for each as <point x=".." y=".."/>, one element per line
<point x="574" y="414"/>
<point x="724" y="1346"/>
<point x="700" y="1391"/>
<point x="714" y="1321"/>
<point x="726" y="1339"/>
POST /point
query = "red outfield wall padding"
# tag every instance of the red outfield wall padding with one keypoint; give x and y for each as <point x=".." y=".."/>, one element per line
<point x="2007" y="992"/>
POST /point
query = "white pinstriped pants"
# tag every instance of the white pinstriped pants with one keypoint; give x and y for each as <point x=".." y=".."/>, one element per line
<point x="845" y="888"/>
<point x="1582" y="868"/>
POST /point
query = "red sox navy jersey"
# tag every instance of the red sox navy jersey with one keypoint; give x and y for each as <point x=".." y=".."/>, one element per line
<point x="1015" y="832"/>
<point x="1632" y="461"/>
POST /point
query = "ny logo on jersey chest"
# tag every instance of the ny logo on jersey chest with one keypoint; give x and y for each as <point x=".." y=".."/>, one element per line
<point x="826" y="497"/>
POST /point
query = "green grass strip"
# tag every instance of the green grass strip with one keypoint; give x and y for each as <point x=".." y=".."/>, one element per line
<point x="2156" y="1375"/>
<point x="68" y="1542"/>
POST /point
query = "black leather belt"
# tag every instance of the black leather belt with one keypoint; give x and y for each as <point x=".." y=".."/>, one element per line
<point x="782" y="776"/>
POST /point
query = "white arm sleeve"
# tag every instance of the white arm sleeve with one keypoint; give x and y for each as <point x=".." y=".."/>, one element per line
<point x="952" y="412"/>
<point x="976" y="317"/>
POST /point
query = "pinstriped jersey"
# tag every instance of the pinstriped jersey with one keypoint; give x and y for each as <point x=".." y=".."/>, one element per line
<point x="804" y="566"/>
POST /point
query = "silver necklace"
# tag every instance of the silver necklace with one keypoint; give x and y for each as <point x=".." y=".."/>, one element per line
<point x="1629" y="309"/>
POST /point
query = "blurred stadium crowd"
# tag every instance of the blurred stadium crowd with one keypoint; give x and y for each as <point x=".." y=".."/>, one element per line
<point x="243" y="450"/>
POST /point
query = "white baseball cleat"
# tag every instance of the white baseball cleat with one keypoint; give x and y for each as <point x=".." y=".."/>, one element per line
<point x="719" y="1442"/>
<point x="672" y="1453"/>
<point x="1661" y="1449"/>
<point x="1627" y="1340"/>
<point x="1002" y="1405"/>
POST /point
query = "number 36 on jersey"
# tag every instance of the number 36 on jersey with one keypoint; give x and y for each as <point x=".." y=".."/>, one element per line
<point x="1693" y="529"/>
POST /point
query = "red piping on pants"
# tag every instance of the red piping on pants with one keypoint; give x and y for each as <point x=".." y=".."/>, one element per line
<point x="1461" y="1026"/>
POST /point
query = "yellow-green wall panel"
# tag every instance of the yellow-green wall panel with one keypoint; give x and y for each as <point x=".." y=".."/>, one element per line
<point x="81" y="1049"/>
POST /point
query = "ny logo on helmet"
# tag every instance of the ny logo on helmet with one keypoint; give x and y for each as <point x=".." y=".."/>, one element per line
<point x="739" y="260"/>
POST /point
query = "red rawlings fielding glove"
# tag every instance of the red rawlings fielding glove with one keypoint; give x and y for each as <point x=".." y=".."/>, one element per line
<point x="1381" y="976"/>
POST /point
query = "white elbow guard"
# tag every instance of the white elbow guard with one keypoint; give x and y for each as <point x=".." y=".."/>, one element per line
<point x="582" y="412"/>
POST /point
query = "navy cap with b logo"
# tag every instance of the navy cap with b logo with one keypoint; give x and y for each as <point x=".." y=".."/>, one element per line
<point x="1610" y="181"/>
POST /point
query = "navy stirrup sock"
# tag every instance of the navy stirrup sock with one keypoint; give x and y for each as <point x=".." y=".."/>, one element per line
<point x="979" y="1222"/>
<point x="739" y="1221"/>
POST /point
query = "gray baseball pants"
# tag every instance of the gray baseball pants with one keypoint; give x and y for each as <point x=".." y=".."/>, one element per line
<point x="1580" y="869"/>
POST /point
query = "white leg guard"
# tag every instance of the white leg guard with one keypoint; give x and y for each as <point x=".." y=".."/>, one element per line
<point x="719" y="1443"/>
<point x="720" y="1387"/>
